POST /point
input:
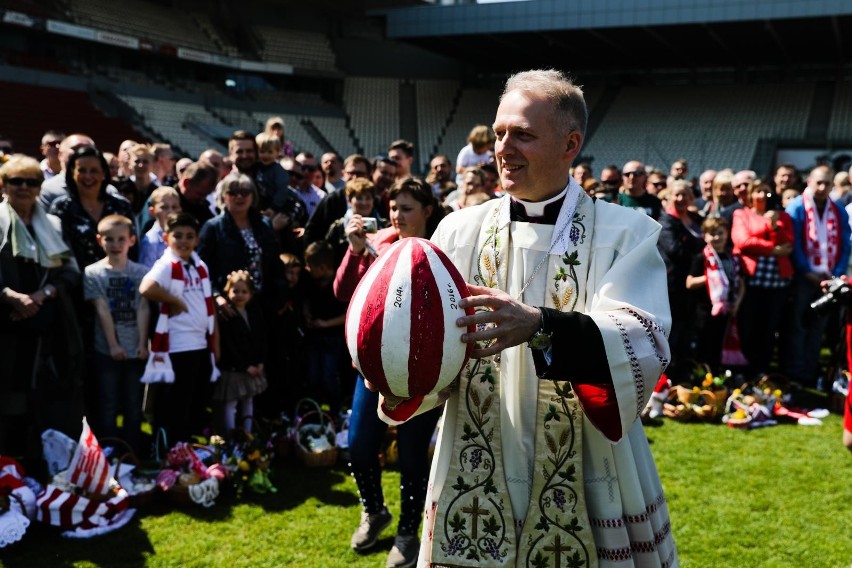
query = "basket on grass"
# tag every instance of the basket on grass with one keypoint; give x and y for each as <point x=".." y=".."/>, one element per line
<point x="140" y="484"/>
<point x="315" y="437"/>
<point x="191" y="475"/>
<point x="694" y="404"/>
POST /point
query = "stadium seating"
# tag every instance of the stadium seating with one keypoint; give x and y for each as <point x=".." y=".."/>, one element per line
<point x="306" y="50"/>
<point x="335" y="131"/>
<point x="159" y="24"/>
<point x="373" y="107"/>
<point x="840" y="124"/>
<point x="205" y="24"/>
<point x="171" y="119"/>
<point x="476" y="106"/>
<point x="434" y="105"/>
<point x="31" y="110"/>
<point x="711" y="126"/>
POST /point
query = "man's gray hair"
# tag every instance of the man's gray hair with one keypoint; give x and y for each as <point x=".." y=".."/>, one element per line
<point x="559" y="88"/>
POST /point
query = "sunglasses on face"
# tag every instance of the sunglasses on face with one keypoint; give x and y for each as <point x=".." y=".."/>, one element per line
<point x="239" y="192"/>
<point x="659" y="184"/>
<point x="309" y="168"/>
<point x="634" y="173"/>
<point x="295" y="175"/>
<point x="29" y="182"/>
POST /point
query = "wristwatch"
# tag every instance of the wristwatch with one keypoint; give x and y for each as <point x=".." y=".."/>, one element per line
<point x="541" y="338"/>
<point x="47" y="292"/>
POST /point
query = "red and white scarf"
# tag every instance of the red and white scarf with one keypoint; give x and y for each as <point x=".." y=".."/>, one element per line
<point x="822" y="234"/>
<point x="159" y="368"/>
<point x="718" y="282"/>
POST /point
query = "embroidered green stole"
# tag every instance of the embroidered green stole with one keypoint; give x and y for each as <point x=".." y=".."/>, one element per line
<point x="475" y="524"/>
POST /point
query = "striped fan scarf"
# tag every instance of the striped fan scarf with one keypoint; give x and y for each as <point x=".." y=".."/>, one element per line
<point x="159" y="367"/>
<point x="822" y="234"/>
<point x="718" y="284"/>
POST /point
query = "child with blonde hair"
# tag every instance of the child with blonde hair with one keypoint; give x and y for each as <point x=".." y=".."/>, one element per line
<point x="165" y="200"/>
<point x="243" y="349"/>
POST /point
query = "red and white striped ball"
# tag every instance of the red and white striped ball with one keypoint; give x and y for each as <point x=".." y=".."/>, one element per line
<point x="401" y="323"/>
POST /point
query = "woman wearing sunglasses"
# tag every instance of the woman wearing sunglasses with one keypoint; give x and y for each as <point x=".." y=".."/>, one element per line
<point x="39" y="337"/>
<point x="240" y="238"/>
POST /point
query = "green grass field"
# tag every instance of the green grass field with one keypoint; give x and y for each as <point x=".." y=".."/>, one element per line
<point x="773" y="497"/>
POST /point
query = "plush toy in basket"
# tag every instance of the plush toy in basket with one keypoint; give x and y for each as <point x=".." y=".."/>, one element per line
<point x="315" y="442"/>
<point x="85" y="499"/>
<point x="186" y="479"/>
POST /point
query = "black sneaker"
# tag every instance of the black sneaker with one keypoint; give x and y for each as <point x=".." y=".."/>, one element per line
<point x="404" y="552"/>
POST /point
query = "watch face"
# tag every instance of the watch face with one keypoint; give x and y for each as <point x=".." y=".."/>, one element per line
<point x="539" y="341"/>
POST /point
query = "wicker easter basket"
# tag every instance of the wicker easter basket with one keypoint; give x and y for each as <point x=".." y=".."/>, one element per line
<point x="315" y="438"/>
<point x="138" y="497"/>
<point x="179" y="493"/>
<point x="687" y="404"/>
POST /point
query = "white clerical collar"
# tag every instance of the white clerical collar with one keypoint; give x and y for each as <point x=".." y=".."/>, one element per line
<point x="536" y="208"/>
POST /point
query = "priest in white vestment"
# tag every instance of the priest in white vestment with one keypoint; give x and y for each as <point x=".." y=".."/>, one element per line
<point x="542" y="460"/>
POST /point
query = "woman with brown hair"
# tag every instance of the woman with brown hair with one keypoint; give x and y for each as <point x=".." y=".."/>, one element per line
<point x="763" y="239"/>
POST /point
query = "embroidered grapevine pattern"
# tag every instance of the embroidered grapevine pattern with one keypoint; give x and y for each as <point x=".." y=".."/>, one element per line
<point x="568" y="272"/>
<point x="475" y="529"/>
<point x="558" y="498"/>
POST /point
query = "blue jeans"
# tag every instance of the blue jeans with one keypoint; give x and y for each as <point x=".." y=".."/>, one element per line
<point x="324" y="355"/>
<point x="119" y="389"/>
<point x="366" y="434"/>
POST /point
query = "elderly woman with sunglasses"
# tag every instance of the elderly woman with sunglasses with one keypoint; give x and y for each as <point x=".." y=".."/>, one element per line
<point x="240" y="238"/>
<point x="37" y="320"/>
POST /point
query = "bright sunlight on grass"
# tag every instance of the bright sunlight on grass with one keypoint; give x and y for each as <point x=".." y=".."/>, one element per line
<point x="772" y="497"/>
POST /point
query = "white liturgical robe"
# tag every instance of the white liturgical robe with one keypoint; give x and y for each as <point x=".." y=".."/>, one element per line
<point x="540" y="472"/>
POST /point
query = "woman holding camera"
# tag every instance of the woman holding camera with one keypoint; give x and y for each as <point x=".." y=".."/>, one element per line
<point x="414" y="212"/>
<point x="360" y="193"/>
<point x="763" y="238"/>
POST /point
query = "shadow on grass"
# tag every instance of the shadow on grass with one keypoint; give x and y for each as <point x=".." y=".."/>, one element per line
<point x="163" y="504"/>
<point x="297" y="483"/>
<point x="128" y="547"/>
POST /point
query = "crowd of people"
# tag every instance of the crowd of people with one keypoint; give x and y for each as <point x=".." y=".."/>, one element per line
<point x="209" y="291"/>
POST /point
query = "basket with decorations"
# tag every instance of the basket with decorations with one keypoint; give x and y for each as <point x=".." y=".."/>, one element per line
<point x="765" y="404"/>
<point x="192" y="474"/>
<point x="703" y="402"/>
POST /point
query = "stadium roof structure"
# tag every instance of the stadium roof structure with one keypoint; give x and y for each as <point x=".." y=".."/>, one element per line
<point x="624" y="34"/>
